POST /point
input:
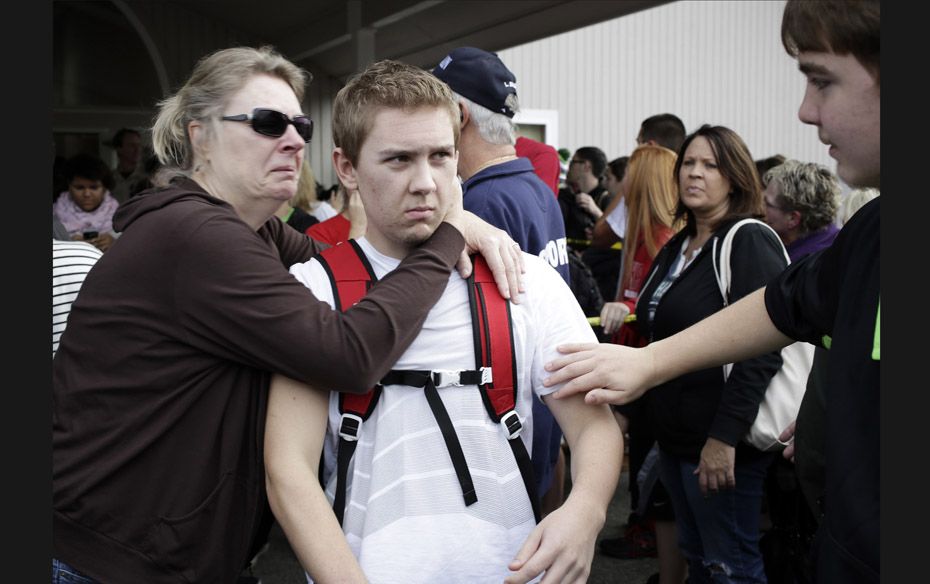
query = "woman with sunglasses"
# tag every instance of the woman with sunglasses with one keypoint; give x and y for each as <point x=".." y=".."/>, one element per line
<point x="160" y="382"/>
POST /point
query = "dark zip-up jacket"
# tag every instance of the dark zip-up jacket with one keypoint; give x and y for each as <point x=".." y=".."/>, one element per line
<point x="696" y="405"/>
<point x="160" y="384"/>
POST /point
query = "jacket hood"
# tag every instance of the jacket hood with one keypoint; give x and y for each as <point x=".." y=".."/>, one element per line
<point x="158" y="198"/>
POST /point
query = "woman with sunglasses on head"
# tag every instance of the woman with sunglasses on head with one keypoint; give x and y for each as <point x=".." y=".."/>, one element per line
<point x="160" y="382"/>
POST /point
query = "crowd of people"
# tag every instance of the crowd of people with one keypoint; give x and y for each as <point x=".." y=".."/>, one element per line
<point x="406" y="370"/>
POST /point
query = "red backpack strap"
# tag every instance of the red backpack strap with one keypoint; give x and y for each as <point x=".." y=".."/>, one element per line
<point x="494" y="349"/>
<point x="495" y="358"/>
<point x="349" y="272"/>
<point x="351" y="275"/>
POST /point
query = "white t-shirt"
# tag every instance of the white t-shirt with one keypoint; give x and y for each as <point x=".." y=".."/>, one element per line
<point x="617" y="219"/>
<point x="405" y="518"/>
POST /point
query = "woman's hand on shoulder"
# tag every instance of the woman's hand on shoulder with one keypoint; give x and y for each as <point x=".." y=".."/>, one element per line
<point x="503" y="255"/>
<point x="499" y="250"/>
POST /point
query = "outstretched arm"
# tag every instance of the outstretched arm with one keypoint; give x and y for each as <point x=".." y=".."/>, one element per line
<point x="562" y="544"/>
<point x="617" y="374"/>
<point x="294" y="431"/>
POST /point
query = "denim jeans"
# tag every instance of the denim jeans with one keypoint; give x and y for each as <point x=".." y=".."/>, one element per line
<point x="718" y="534"/>
<point x="62" y="573"/>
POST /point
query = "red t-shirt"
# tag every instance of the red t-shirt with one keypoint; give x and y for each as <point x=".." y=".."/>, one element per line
<point x="332" y="231"/>
<point x="629" y="294"/>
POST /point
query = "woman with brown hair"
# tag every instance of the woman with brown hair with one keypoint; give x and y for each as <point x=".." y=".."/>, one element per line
<point x="713" y="477"/>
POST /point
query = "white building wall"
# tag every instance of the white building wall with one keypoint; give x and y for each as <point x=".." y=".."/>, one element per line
<point x="706" y="61"/>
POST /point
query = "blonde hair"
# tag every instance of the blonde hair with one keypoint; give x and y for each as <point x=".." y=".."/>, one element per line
<point x="386" y="84"/>
<point x="651" y="200"/>
<point x="305" y="196"/>
<point x="215" y="78"/>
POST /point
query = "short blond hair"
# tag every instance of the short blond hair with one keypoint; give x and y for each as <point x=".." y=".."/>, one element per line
<point x="386" y="84"/>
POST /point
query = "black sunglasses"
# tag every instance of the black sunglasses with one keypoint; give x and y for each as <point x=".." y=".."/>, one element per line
<point x="273" y="123"/>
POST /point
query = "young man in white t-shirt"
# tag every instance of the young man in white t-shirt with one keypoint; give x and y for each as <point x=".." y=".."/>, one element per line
<point x="396" y="132"/>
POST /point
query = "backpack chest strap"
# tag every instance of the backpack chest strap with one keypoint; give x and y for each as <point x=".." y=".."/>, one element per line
<point x="440" y="377"/>
<point x="509" y="420"/>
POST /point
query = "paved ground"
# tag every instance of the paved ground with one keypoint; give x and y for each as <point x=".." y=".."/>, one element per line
<point x="277" y="565"/>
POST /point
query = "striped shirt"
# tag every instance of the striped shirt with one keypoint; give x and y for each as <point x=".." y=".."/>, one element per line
<point x="71" y="260"/>
<point x="405" y="519"/>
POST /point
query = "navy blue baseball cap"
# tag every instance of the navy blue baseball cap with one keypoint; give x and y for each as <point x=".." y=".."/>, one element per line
<point x="481" y="77"/>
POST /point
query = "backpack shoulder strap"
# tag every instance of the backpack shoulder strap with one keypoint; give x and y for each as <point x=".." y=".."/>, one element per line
<point x="493" y="338"/>
<point x="350" y="275"/>
<point x="494" y="353"/>
<point x="349" y="271"/>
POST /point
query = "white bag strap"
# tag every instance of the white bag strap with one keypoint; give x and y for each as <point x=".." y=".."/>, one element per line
<point x="722" y="268"/>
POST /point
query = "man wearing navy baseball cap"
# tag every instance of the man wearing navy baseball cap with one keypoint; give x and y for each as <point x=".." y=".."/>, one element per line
<point x="481" y="77"/>
<point x="504" y="190"/>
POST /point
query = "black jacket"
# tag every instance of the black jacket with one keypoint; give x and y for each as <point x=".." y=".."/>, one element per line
<point x="696" y="405"/>
<point x="836" y="293"/>
<point x="301" y="220"/>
